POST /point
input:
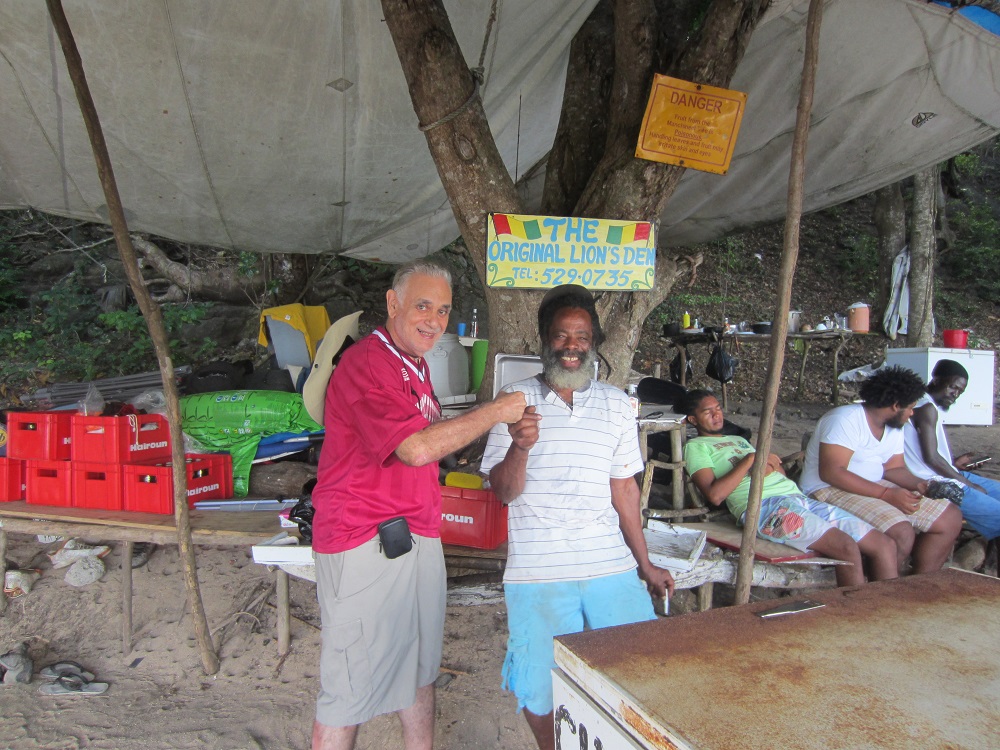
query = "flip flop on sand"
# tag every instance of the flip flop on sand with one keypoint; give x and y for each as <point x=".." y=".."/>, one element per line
<point x="64" y="669"/>
<point x="73" y="685"/>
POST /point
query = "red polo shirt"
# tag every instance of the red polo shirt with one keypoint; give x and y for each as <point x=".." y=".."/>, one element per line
<point x="377" y="398"/>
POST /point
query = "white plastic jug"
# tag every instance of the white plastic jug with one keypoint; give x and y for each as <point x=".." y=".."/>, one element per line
<point x="449" y="365"/>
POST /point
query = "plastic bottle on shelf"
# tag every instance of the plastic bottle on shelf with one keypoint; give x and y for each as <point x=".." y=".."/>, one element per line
<point x="686" y="320"/>
<point x="633" y="398"/>
<point x="474" y="324"/>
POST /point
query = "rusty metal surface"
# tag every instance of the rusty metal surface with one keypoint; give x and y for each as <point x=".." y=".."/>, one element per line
<point x="908" y="663"/>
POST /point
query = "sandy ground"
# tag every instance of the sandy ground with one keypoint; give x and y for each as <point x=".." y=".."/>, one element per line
<point x="159" y="696"/>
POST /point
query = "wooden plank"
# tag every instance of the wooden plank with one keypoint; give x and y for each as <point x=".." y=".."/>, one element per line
<point x="500" y="553"/>
<point x="212" y="527"/>
<point x="728" y="535"/>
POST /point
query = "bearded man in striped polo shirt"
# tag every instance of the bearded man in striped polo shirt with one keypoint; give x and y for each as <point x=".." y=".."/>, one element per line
<point x="577" y="558"/>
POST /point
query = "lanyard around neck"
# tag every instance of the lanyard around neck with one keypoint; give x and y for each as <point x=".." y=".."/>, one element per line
<point x="405" y="361"/>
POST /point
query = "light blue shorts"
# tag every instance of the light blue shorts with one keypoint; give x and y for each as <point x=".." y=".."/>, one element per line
<point x="537" y="612"/>
<point x="799" y="521"/>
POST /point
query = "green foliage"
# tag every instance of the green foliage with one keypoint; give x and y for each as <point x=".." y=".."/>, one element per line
<point x="970" y="164"/>
<point x="975" y="256"/>
<point x="64" y="335"/>
<point x="857" y="261"/>
<point x="247" y="263"/>
<point x="732" y="254"/>
<point x="11" y="297"/>
<point x="10" y="288"/>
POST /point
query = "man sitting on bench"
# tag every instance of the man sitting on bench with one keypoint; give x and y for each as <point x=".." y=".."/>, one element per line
<point x="928" y="455"/>
<point x="719" y="465"/>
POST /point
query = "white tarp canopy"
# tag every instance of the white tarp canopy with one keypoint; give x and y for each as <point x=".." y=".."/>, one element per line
<point x="287" y="127"/>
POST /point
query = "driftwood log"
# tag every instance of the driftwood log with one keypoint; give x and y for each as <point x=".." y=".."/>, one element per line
<point x="769" y="575"/>
<point x="282" y="478"/>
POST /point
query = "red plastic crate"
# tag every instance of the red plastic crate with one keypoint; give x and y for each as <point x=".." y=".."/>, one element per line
<point x="11" y="479"/>
<point x="97" y="485"/>
<point x="39" y="435"/>
<point x="48" y="482"/>
<point x="224" y="471"/>
<point x="472" y="518"/>
<point x="120" y="440"/>
<point x="150" y="487"/>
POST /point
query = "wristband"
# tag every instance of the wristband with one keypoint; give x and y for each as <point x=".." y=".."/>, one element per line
<point x="883" y="493"/>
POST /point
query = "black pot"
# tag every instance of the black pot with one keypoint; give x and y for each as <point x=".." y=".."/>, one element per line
<point x="761" y="327"/>
<point x="671" y="329"/>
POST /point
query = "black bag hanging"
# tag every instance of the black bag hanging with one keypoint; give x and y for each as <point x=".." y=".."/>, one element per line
<point x="721" y="366"/>
<point x="676" y="374"/>
<point x="302" y="512"/>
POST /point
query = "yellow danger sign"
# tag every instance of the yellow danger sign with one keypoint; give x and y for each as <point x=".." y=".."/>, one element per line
<point x="691" y="125"/>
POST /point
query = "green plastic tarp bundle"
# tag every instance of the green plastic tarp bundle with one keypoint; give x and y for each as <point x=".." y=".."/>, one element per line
<point x="235" y="422"/>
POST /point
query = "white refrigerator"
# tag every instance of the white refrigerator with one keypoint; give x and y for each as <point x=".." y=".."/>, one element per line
<point x="976" y="404"/>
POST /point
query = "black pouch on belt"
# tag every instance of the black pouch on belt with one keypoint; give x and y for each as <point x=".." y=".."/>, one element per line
<point x="394" y="537"/>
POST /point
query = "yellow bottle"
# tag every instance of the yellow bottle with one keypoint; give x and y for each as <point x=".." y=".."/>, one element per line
<point x="686" y="320"/>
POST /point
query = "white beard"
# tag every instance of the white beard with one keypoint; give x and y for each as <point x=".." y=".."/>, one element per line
<point x="559" y="378"/>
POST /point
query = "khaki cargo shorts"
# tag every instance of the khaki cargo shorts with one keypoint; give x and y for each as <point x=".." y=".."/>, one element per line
<point x="383" y="625"/>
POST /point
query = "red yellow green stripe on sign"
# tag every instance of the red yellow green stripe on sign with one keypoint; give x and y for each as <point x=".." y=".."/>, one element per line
<point x="507" y="224"/>
<point x="529" y="230"/>
<point x="628" y="234"/>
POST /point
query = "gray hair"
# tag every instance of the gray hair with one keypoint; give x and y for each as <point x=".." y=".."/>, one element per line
<point x="424" y="267"/>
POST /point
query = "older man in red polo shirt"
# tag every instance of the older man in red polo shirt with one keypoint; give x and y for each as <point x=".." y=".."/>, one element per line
<point x="382" y="595"/>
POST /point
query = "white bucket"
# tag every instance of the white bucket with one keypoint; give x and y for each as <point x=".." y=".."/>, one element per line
<point x="449" y="365"/>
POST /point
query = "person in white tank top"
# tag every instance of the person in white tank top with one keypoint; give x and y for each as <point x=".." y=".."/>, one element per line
<point x="928" y="454"/>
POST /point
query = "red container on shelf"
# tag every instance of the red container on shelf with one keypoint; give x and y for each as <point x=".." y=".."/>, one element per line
<point x="120" y="440"/>
<point x="48" y="482"/>
<point x="472" y="518"/>
<point x="39" y="435"/>
<point x="223" y="471"/>
<point x="11" y="479"/>
<point x="97" y="485"/>
<point x="955" y="339"/>
<point x="150" y="487"/>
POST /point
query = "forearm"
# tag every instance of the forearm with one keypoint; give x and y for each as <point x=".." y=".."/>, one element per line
<point x="724" y="486"/>
<point x="945" y="469"/>
<point x="903" y="477"/>
<point x="507" y="477"/>
<point x="846" y="480"/>
<point x="446" y="436"/>
<point x="625" y="499"/>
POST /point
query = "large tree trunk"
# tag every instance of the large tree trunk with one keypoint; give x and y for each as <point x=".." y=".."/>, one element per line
<point x="889" y="217"/>
<point x="619" y="187"/>
<point x="923" y="243"/>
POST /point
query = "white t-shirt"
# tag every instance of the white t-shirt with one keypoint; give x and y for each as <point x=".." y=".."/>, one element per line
<point x="912" y="451"/>
<point x="563" y="527"/>
<point x="847" y="426"/>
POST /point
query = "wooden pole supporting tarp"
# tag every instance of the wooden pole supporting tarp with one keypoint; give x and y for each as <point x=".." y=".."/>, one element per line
<point x="779" y="325"/>
<point x="154" y="320"/>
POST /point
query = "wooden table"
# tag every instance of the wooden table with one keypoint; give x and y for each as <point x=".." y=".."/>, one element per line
<point x="215" y="528"/>
<point x="837" y="337"/>
<point x="895" y="664"/>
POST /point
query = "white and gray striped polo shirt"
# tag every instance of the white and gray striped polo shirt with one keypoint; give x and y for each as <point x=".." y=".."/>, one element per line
<point x="563" y="526"/>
